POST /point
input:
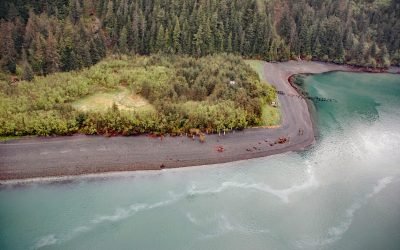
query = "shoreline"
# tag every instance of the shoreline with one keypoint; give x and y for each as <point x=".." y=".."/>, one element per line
<point x="68" y="157"/>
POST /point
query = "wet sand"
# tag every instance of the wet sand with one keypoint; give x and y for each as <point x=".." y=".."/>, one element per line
<point x="80" y="154"/>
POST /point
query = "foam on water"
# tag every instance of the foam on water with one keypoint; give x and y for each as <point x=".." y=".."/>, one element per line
<point x="118" y="215"/>
<point x="335" y="233"/>
<point x="46" y="241"/>
<point x="223" y="225"/>
<point x="282" y="194"/>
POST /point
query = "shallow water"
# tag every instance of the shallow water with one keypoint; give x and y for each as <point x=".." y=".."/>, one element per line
<point x="341" y="194"/>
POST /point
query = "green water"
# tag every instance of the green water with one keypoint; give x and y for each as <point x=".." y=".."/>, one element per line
<point x="341" y="194"/>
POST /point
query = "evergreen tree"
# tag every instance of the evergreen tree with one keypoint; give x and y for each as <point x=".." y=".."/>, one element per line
<point x="52" y="58"/>
<point x="229" y="46"/>
<point x="94" y="52"/>
<point x="360" y="52"/>
<point x="36" y="55"/>
<point x="384" y="57"/>
<point x="208" y="40"/>
<point x="340" y="54"/>
<point x="86" y="56"/>
<point x="373" y="50"/>
<point x="123" y="41"/>
<point x="18" y="36"/>
<point x="8" y="53"/>
<point x="160" y="42"/>
<point x="76" y="11"/>
<point x="27" y="73"/>
<point x="317" y="49"/>
<point x="198" y="42"/>
<point x="168" y="41"/>
<point x="177" y="41"/>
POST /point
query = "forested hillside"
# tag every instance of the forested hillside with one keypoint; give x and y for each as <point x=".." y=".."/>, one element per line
<point x="61" y="35"/>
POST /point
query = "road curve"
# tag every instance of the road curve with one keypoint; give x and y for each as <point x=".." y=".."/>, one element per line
<point x="80" y="154"/>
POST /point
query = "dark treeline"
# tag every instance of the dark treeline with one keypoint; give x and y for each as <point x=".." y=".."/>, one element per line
<point x="47" y="36"/>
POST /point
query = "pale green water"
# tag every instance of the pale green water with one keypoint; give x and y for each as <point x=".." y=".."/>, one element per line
<point x="342" y="194"/>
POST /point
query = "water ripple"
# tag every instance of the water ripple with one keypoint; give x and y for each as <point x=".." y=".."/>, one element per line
<point x="335" y="233"/>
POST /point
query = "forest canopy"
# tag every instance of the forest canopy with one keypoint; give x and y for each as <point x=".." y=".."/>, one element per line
<point x="42" y="37"/>
<point x="212" y="94"/>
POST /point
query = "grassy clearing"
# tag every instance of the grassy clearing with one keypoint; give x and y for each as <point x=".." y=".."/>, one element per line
<point x="123" y="98"/>
<point x="271" y="116"/>
<point x="257" y="65"/>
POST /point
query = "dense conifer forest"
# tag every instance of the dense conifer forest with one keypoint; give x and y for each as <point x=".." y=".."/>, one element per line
<point x="42" y="37"/>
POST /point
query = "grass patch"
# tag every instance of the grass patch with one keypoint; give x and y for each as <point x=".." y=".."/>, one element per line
<point x="122" y="97"/>
<point x="271" y="116"/>
<point x="257" y="66"/>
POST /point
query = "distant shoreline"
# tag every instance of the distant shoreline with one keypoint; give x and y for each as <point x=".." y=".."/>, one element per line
<point x="82" y="155"/>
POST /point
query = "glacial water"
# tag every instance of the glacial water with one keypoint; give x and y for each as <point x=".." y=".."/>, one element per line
<point x="343" y="193"/>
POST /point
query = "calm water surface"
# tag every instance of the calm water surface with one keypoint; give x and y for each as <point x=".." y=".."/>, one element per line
<point x="344" y="193"/>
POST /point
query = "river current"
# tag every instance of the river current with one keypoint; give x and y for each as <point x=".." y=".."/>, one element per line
<point x="342" y="193"/>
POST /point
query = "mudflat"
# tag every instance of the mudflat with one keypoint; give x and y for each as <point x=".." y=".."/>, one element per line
<point x="80" y="154"/>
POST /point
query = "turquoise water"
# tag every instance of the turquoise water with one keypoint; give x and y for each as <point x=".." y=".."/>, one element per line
<point x="341" y="194"/>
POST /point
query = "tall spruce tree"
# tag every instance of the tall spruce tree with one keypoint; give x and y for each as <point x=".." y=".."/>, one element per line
<point x="177" y="37"/>
<point x="123" y="41"/>
<point x="8" y="53"/>
<point x="52" y="58"/>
